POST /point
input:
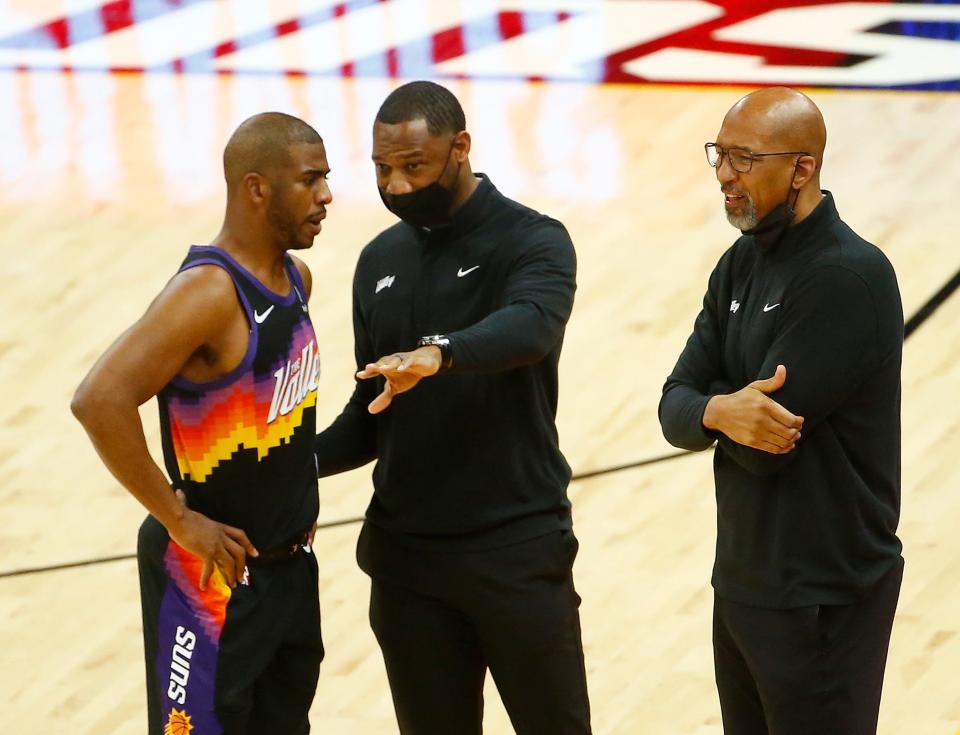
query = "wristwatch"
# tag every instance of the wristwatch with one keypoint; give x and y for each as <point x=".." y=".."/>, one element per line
<point x="441" y="341"/>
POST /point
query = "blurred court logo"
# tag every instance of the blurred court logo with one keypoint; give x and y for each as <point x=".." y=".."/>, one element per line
<point x="863" y="44"/>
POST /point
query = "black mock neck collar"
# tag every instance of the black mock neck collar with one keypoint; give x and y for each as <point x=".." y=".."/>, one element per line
<point x="800" y="234"/>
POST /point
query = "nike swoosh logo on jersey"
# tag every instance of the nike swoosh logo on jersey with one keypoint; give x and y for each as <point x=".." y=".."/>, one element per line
<point x="461" y="272"/>
<point x="260" y="318"/>
<point x="767" y="307"/>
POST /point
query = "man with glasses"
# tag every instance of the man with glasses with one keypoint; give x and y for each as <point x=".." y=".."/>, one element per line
<point x="793" y="368"/>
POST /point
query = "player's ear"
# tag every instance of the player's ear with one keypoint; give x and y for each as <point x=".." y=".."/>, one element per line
<point x="257" y="187"/>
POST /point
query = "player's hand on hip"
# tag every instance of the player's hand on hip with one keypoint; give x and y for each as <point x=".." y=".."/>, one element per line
<point x="750" y="417"/>
<point x="219" y="545"/>
<point x="402" y="371"/>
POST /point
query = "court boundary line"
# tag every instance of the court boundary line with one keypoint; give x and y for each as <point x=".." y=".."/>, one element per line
<point x="931" y="305"/>
<point x="927" y="310"/>
<point x="328" y="524"/>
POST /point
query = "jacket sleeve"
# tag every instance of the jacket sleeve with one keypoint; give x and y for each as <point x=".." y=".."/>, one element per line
<point x="697" y="376"/>
<point x="537" y="302"/>
<point x="351" y="440"/>
<point x="828" y="339"/>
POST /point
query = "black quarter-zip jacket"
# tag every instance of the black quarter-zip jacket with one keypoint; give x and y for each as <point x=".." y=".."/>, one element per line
<point x="816" y="525"/>
<point x="469" y="458"/>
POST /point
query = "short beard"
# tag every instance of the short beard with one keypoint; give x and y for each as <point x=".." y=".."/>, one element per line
<point x="284" y="228"/>
<point x="745" y="220"/>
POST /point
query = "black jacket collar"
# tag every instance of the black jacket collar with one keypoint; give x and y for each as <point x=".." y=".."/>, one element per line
<point x="806" y="231"/>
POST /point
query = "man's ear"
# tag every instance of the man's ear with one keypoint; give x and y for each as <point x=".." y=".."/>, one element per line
<point x="805" y="170"/>
<point x="461" y="146"/>
<point x="257" y="187"/>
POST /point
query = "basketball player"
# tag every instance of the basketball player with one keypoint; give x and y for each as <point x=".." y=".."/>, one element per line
<point x="231" y="617"/>
<point x="793" y="368"/>
<point x="468" y="538"/>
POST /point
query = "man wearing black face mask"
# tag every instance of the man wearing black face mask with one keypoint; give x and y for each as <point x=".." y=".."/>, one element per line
<point x="793" y="368"/>
<point x="468" y="539"/>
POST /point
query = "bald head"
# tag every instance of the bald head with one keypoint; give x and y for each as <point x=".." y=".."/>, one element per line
<point x="262" y="145"/>
<point x="782" y="119"/>
<point x="768" y="154"/>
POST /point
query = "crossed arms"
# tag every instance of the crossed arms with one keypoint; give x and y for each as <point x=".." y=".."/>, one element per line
<point x="824" y="347"/>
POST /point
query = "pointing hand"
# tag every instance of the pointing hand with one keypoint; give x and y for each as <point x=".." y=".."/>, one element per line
<point x="402" y="371"/>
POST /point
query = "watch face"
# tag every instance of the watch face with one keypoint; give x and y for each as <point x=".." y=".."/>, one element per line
<point x="440" y="342"/>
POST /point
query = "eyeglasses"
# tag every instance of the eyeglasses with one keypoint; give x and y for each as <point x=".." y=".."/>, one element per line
<point x="741" y="160"/>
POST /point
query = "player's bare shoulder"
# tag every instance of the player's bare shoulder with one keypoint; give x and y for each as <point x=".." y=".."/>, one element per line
<point x="203" y="296"/>
<point x="304" y="272"/>
<point x="196" y="307"/>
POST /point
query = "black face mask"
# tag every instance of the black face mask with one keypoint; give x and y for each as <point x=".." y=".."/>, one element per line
<point x="424" y="207"/>
<point x="770" y="229"/>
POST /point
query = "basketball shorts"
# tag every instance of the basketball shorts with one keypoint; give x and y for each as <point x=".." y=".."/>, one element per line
<point x="223" y="661"/>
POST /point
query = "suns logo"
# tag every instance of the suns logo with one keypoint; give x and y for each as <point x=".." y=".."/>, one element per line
<point x="180" y="664"/>
<point x="178" y="723"/>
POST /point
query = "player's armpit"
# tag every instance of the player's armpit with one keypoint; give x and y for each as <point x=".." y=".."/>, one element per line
<point x="192" y="311"/>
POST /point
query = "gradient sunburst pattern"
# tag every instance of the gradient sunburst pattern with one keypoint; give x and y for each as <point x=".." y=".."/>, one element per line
<point x="209" y="605"/>
<point x="208" y="428"/>
<point x="191" y="622"/>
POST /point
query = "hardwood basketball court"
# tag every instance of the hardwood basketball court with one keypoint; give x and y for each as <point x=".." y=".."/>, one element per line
<point x="110" y="165"/>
